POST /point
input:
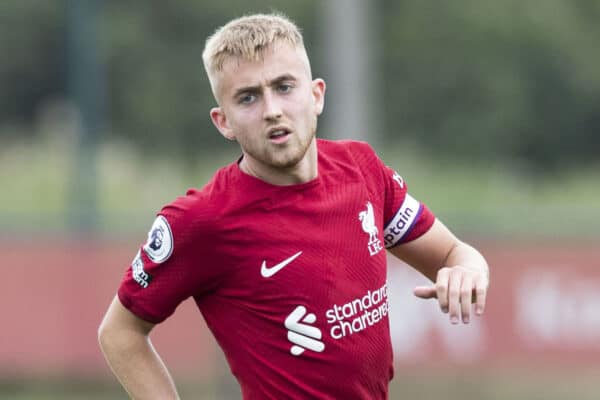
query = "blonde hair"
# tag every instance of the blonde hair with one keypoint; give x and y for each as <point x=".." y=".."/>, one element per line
<point x="246" y="38"/>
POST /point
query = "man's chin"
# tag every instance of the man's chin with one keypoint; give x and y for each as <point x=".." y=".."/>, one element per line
<point x="284" y="164"/>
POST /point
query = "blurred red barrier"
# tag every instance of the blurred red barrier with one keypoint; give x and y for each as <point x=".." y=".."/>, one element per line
<point x="543" y="309"/>
<point x="54" y="294"/>
<point x="544" y="306"/>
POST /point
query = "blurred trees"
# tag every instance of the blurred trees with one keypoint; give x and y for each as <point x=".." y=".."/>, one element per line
<point x="496" y="79"/>
<point x="33" y="57"/>
<point x="509" y="80"/>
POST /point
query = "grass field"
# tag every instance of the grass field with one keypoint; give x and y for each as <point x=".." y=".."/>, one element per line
<point x="490" y="200"/>
<point x="515" y="385"/>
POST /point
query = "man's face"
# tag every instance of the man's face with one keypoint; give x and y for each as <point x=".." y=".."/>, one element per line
<point x="270" y="107"/>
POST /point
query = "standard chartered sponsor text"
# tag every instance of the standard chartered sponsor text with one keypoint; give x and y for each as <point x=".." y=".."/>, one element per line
<point x="358" y="314"/>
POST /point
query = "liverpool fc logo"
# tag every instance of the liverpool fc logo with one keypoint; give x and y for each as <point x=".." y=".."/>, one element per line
<point x="367" y="217"/>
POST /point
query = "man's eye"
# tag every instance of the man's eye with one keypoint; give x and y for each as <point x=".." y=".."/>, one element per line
<point x="247" y="99"/>
<point x="284" y="88"/>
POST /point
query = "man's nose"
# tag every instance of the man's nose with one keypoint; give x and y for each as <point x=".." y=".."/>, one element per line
<point x="272" y="108"/>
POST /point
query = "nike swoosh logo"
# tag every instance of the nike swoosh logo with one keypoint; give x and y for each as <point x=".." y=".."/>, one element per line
<point x="269" y="272"/>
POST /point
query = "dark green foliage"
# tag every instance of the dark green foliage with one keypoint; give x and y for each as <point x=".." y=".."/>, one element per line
<point x="32" y="53"/>
<point x="510" y="80"/>
<point x="480" y="80"/>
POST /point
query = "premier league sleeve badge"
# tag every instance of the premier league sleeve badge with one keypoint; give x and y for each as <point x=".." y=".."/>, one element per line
<point x="159" y="245"/>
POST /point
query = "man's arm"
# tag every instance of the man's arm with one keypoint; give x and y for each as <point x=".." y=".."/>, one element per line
<point x="460" y="272"/>
<point x="125" y="343"/>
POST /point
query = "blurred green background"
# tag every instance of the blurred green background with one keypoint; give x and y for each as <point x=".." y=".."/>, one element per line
<point x="482" y="105"/>
<point x="489" y="109"/>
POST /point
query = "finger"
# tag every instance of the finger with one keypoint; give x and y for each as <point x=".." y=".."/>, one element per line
<point x="466" y="293"/>
<point x="425" y="292"/>
<point x="441" y="286"/>
<point x="481" y="287"/>
<point x="454" y="295"/>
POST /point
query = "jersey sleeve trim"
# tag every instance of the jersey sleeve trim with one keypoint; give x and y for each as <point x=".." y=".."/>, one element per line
<point x="138" y="311"/>
<point x="403" y="222"/>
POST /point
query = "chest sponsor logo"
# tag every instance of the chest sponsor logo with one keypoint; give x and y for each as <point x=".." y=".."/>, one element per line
<point x="268" y="272"/>
<point x="159" y="245"/>
<point x="344" y="320"/>
<point x="367" y="219"/>
<point x="358" y="314"/>
<point x="301" y="333"/>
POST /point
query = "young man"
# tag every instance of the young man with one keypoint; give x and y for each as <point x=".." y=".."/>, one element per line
<point x="284" y="250"/>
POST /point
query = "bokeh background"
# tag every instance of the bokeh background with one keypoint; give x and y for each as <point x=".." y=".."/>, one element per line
<point x="489" y="109"/>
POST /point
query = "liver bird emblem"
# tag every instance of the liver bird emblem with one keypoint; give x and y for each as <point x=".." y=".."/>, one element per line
<point x="367" y="217"/>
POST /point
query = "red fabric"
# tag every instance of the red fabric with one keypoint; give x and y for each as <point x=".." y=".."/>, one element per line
<point x="225" y="232"/>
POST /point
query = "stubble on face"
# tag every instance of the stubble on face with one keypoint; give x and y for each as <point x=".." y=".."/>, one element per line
<point x="287" y="155"/>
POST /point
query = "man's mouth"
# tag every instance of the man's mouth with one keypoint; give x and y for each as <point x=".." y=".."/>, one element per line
<point x="278" y="135"/>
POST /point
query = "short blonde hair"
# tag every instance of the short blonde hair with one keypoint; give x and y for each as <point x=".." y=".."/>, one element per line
<point x="246" y="38"/>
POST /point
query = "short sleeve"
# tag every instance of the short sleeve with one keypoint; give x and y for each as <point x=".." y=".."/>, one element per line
<point x="405" y="218"/>
<point x="164" y="272"/>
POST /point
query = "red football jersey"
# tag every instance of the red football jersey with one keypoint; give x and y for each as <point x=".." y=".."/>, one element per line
<point x="291" y="280"/>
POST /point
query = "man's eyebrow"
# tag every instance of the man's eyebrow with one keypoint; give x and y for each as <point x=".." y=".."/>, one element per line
<point x="246" y="89"/>
<point x="282" y="78"/>
<point x="256" y="89"/>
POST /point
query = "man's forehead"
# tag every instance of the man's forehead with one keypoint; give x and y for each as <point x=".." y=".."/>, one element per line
<point x="276" y="61"/>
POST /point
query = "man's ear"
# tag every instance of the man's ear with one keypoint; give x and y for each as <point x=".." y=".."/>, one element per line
<point x="318" y="92"/>
<point x="219" y="118"/>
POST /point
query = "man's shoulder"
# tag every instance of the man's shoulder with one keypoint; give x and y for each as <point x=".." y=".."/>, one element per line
<point x="358" y="153"/>
<point x="202" y="204"/>
<point x="344" y="146"/>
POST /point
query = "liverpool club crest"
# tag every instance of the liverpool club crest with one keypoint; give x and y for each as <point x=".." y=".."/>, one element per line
<point x="367" y="218"/>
